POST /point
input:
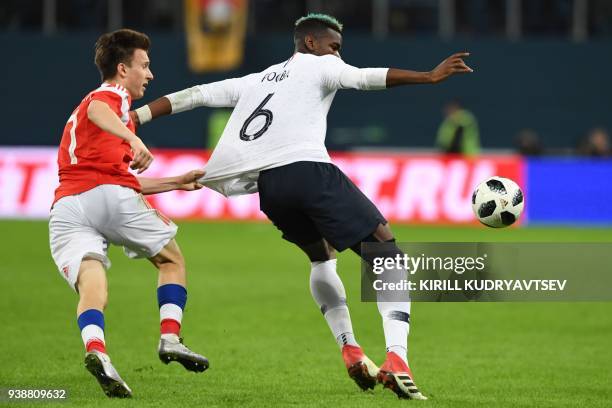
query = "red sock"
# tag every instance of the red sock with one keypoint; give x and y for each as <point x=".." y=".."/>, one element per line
<point x="96" y="344"/>
<point x="170" y="326"/>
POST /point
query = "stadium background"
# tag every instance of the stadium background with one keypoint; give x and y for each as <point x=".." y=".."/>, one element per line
<point x="540" y="65"/>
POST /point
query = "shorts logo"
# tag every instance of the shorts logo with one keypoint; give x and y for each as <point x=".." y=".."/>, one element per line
<point x="65" y="270"/>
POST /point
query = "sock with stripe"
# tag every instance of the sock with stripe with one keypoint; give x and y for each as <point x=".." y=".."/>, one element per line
<point x="328" y="291"/>
<point x="394" y="308"/>
<point x="171" y="299"/>
<point x="396" y="325"/>
<point x="91" y="323"/>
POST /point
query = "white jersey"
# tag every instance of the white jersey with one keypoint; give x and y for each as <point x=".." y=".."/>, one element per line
<point x="279" y="117"/>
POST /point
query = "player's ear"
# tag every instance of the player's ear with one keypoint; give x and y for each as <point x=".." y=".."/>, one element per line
<point x="121" y="69"/>
<point x="310" y="42"/>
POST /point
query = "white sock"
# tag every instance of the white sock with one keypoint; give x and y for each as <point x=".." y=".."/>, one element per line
<point x="339" y="321"/>
<point x="400" y="351"/>
<point x="395" y="313"/>
<point x="328" y="291"/>
<point x="396" y="325"/>
<point x="91" y="333"/>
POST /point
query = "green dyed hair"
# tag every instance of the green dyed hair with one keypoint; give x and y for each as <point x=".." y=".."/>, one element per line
<point x="314" y="24"/>
<point x="319" y="19"/>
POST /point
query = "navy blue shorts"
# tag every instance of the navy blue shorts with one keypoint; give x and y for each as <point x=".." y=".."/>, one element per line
<point x="308" y="201"/>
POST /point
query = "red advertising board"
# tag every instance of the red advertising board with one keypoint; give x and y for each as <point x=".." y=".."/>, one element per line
<point x="405" y="187"/>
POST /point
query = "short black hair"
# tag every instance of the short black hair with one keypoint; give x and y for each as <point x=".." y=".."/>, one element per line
<point x="314" y="23"/>
<point x="116" y="47"/>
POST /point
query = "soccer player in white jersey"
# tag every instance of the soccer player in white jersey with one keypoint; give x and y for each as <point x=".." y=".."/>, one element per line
<point x="274" y="143"/>
<point x="99" y="202"/>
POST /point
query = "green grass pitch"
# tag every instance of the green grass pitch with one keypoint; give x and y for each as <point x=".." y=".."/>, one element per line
<point x="250" y="312"/>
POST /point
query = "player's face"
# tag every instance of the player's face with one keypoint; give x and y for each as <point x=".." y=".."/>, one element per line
<point x="138" y="74"/>
<point x="328" y="43"/>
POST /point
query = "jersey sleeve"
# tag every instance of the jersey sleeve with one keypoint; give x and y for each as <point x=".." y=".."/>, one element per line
<point x="112" y="99"/>
<point x="331" y="68"/>
<point x="223" y="93"/>
<point x="336" y="74"/>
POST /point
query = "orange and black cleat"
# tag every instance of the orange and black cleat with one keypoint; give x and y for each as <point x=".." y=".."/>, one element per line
<point x="396" y="375"/>
<point x="360" y="368"/>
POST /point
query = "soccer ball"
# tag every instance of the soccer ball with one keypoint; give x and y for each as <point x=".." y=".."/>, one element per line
<point x="497" y="202"/>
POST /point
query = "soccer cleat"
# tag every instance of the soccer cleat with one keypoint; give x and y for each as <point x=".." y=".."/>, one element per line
<point x="99" y="365"/>
<point x="396" y="375"/>
<point x="173" y="349"/>
<point x="360" y="368"/>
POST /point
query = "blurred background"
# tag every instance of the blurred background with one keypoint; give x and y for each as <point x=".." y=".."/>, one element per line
<point x="537" y="108"/>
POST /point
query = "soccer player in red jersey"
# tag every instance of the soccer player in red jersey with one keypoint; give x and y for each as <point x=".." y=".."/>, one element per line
<point x="99" y="202"/>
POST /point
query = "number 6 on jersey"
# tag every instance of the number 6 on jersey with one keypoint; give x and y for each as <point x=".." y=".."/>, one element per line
<point x="259" y="111"/>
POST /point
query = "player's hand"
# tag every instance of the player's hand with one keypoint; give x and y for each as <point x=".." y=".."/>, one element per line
<point x="142" y="156"/>
<point x="189" y="180"/>
<point x="452" y="65"/>
<point x="135" y="118"/>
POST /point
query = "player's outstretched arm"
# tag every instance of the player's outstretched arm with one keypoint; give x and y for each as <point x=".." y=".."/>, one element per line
<point x="221" y="94"/>
<point x="103" y="116"/>
<point x="187" y="182"/>
<point x="450" y="66"/>
<point x="159" y="107"/>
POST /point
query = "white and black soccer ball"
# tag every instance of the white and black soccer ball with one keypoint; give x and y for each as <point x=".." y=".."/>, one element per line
<point x="497" y="202"/>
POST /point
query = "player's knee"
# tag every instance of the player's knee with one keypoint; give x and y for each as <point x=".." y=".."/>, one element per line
<point x="319" y="251"/>
<point x="388" y="250"/>
<point x="170" y="263"/>
<point x="169" y="257"/>
<point x="383" y="233"/>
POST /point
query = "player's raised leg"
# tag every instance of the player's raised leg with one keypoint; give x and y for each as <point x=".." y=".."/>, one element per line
<point x="92" y="287"/>
<point x="329" y="294"/>
<point x="172" y="298"/>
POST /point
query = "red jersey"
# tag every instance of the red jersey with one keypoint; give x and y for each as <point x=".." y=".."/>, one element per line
<point x="89" y="156"/>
